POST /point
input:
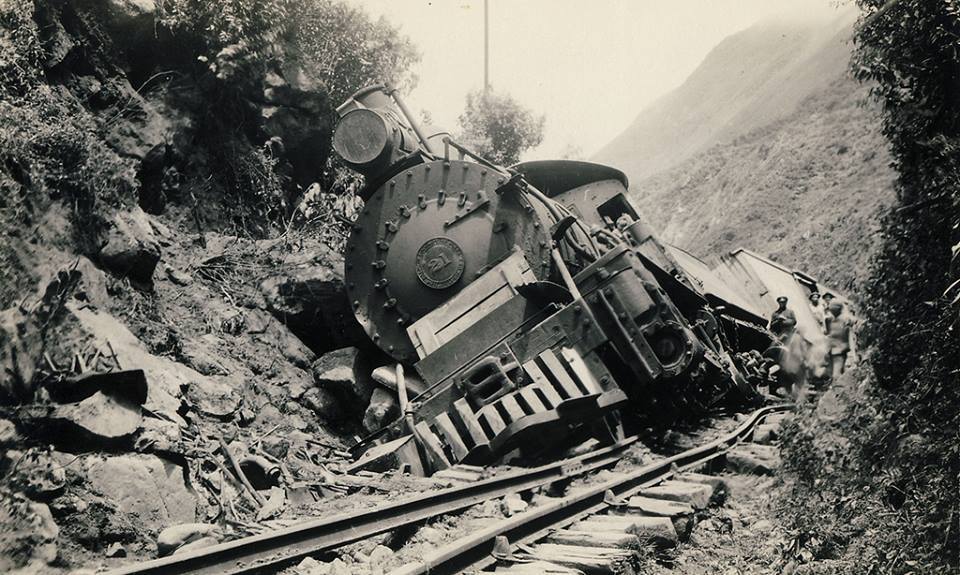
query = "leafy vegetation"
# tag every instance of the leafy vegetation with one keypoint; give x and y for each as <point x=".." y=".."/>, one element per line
<point x="51" y="150"/>
<point x="50" y="147"/>
<point x="221" y="91"/>
<point x="498" y="128"/>
<point x="338" y="46"/>
<point x="307" y="55"/>
<point x="879" y="485"/>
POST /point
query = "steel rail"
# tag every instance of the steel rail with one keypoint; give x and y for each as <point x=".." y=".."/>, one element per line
<point x="275" y="549"/>
<point x="473" y="552"/>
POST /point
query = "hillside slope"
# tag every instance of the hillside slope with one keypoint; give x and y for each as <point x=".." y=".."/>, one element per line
<point x="768" y="145"/>
<point x="750" y="79"/>
<point x="808" y="190"/>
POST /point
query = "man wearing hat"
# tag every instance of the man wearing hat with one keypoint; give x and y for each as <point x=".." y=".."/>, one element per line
<point x="840" y="335"/>
<point x="783" y="321"/>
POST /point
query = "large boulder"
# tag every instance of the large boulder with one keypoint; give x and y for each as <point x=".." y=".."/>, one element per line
<point x="323" y="403"/>
<point x="167" y="379"/>
<point x="295" y="112"/>
<point x="100" y="419"/>
<point x="131" y="248"/>
<point x="310" y="298"/>
<point x="347" y="375"/>
<point x="149" y="488"/>
<point x="143" y="128"/>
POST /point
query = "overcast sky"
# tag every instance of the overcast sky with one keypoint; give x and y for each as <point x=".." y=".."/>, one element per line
<point x="589" y="66"/>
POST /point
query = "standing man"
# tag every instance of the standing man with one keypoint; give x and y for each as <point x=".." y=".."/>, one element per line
<point x="841" y="338"/>
<point x="818" y="310"/>
<point x="819" y="355"/>
<point x="827" y="300"/>
<point x="783" y="321"/>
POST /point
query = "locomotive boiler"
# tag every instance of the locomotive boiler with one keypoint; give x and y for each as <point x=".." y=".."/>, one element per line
<point x="532" y="301"/>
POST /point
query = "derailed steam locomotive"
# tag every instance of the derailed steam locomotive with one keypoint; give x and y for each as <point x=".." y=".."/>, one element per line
<point x="532" y="301"/>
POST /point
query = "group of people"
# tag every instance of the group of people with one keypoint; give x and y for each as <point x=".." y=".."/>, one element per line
<point x="834" y="322"/>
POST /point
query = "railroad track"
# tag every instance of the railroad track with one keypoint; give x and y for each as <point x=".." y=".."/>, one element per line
<point x="597" y="529"/>
<point x="269" y="552"/>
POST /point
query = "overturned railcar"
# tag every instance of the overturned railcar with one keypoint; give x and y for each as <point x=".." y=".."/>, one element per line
<point x="532" y="301"/>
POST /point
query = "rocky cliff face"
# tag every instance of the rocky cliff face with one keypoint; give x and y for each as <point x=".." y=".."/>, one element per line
<point x="808" y="190"/>
<point x="141" y="338"/>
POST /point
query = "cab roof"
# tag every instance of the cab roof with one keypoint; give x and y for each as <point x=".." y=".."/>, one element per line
<point x="554" y="177"/>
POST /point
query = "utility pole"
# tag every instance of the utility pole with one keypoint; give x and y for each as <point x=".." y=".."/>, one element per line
<point x="486" y="46"/>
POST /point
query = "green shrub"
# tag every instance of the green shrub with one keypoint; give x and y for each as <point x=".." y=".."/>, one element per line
<point x="61" y="151"/>
<point x="890" y="503"/>
<point x="21" y="49"/>
<point x="316" y="45"/>
<point x="51" y="148"/>
<point x="326" y="211"/>
<point x="498" y="128"/>
<point x="255" y="187"/>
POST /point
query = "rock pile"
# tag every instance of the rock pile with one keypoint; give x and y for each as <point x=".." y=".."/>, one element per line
<point x="128" y="440"/>
<point x="156" y="348"/>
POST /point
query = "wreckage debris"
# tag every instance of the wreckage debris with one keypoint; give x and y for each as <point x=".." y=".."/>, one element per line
<point x="311" y="300"/>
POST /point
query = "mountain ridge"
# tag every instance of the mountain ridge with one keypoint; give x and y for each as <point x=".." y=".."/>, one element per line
<point x="748" y="80"/>
<point x="809" y="190"/>
<point x="798" y="170"/>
